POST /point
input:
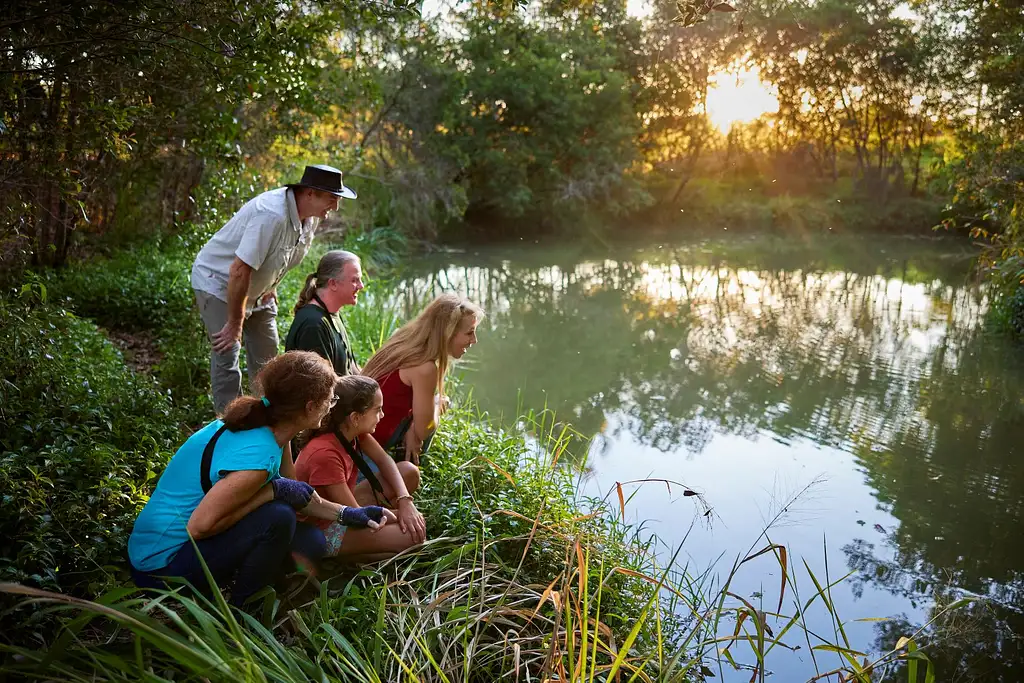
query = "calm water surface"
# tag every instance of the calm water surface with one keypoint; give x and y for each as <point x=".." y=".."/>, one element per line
<point x="845" y="383"/>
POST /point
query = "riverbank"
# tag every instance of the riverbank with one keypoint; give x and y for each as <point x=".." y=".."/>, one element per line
<point x="709" y="207"/>
<point x="524" y="574"/>
<point x="86" y="437"/>
<point x="798" y="215"/>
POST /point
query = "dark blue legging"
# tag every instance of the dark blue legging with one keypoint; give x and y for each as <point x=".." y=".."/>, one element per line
<point x="253" y="552"/>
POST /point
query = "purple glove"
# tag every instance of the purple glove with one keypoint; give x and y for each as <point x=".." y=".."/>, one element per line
<point x="295" y="493"/>
<point x="359" y="518"/>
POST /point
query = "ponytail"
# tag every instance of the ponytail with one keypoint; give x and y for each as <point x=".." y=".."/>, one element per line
<point x="288" y="384"/>
<point x="331" y="265"/>
<point x="247" y="412"/>
<point x="306" y="295"/>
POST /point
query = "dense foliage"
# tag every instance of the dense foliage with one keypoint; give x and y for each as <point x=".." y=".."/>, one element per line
<point x="83" y="438"/>
<point x="113" y="112"/>
<point x="495" y="119"/>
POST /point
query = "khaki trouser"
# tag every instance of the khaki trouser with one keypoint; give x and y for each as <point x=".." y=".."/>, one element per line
<point x="259" y="332"/>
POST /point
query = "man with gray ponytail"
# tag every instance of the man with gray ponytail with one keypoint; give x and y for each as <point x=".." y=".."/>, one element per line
<point x="336" y="282"/>
<point x="235" y="275"/>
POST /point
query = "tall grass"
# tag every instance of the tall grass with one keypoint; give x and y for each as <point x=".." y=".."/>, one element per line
<point x="523" y="579"/>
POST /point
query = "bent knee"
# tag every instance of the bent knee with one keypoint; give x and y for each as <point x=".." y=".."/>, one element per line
<point x="410" y="475"/>
<point x="279" y="516"/>
<point x="227" y="360"/>
<point x="397" y="541"/>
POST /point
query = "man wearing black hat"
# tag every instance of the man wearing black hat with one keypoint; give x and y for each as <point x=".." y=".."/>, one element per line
<point x="235" y="275"/>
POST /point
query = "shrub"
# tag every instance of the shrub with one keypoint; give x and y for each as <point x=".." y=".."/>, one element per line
<point x="142" y="288"/>
<point x="82" y="438"/>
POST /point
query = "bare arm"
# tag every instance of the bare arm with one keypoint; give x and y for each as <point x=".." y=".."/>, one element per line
<point x="338" y="493"/>
<point x="410" y="520"/>
<point x="231" y="498"/>
<point x="321" y="508"/>
<point x="239" y="276"/>
<point x="287" y="464"/>
<point x="423" y="379"/>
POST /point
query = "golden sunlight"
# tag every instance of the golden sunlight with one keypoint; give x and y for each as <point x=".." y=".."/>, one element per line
<point x="738" y="96"/>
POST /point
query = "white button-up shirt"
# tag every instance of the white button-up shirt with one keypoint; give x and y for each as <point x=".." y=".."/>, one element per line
<point x="265" y="233"/>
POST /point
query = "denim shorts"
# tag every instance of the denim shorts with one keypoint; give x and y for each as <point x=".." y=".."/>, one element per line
<point x="334" y="534"/>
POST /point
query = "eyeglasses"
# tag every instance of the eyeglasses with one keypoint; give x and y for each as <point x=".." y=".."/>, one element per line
<point x="334" y="401"/>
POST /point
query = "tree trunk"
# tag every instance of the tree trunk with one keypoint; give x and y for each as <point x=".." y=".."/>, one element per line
<point x="687" y="171"/>
<point x="48" y="197"/>
<point x="917" y="161"/>
<point x="68" y="214"/>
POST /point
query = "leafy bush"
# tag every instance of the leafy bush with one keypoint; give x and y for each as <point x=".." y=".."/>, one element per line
<point x="82" y="438"/>
<point x="145" y="288"/>
<point x="714" y="206"/>
<point x="142" y="288"/>
<point x="1007" y="312"/>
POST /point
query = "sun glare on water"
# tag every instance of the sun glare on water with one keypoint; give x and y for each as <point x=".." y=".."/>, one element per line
<point x="738" y="97"/>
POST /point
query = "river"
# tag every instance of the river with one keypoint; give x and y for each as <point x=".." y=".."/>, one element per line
<point x="843" y="385"/>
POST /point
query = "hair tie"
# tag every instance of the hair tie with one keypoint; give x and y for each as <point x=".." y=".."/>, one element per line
<point x="266" y="401"/>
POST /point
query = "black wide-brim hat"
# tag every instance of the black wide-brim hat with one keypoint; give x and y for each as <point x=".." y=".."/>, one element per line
<point x="325" y="179"/>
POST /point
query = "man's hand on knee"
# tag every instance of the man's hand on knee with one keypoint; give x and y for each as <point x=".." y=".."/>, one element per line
<point x="228" y="336"/>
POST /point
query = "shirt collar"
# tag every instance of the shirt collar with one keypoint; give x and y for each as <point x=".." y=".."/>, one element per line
<point x="293" y="210"/>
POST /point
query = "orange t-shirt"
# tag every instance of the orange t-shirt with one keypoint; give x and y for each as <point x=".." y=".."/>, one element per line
<point x="324" y="462"/>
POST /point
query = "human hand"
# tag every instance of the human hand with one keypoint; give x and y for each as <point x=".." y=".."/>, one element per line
<point x="370" y="516"/>
<point x="413" y="446"/>
<point x="410" y="520"/>
<point x="228" y="336"/>
<point x="295" y="493"/>
<point x="268" y="297"/>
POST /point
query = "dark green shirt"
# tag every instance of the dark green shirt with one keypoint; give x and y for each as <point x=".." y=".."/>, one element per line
<point x="314" y="329"/>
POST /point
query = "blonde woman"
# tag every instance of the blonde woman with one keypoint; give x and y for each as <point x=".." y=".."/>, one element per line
<point x="410" y="368"/>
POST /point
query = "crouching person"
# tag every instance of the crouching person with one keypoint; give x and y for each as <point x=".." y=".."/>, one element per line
<point x="346" y="465"/>
<point x="232" y="488"/>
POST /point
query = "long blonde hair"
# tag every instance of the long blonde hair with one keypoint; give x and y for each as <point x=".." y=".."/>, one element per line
<point x="424" y="339"/>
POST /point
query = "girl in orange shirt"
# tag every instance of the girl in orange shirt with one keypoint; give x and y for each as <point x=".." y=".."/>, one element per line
<point x="329" y="464"/>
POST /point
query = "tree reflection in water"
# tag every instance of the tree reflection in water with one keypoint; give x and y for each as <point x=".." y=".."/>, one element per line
<point x="873" y="347"/>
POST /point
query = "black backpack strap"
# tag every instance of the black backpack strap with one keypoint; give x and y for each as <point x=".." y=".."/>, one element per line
<point x="204" y="472"/>
<point x="396" y="444"/>
<point x="364" y="468"/>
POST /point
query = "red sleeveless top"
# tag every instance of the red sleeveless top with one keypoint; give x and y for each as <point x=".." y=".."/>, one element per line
<point x="397" y="406"/>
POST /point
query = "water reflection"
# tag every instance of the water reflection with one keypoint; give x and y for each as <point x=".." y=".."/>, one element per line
<point x="873" y="347"/>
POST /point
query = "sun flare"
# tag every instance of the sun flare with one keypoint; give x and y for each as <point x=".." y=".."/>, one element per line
<point x="738" y="96"/>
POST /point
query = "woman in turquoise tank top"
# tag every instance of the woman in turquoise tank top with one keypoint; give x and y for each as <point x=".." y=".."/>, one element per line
<point x="231" y="488"/>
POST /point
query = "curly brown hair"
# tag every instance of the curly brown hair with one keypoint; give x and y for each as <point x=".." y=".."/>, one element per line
<point x="289" y="382"/>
